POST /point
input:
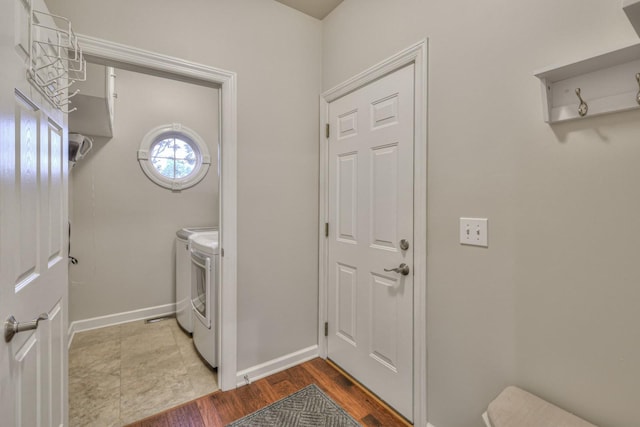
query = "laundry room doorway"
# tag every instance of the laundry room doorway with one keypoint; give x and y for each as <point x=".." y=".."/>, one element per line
<point x="130" y="59"/>
<point x="145" y="166"/>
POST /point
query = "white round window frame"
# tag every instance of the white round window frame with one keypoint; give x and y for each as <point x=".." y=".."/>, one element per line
<point x="203" y="159"/>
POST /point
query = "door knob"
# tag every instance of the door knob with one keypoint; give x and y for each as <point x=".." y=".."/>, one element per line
<point x="12" y="327"/>
<point x="402" y="269"/>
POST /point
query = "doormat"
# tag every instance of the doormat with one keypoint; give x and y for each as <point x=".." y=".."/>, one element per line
<point x="309" y="407"/>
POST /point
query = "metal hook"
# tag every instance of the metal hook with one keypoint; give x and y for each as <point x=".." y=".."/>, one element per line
<point x="638" y="95"/>
<point x="583" y="108"/>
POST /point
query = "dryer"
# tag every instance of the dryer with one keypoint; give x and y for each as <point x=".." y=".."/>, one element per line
<point x="204" y="294"/>
<point x="183" y="276"/>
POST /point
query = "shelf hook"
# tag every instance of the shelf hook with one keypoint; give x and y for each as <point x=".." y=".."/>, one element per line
<point x="583" y="108"/>
<point x="638" y="95"/>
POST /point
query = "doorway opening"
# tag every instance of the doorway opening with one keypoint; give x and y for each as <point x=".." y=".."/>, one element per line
<point x="124" y="214"/>
<point x="132" y="61"/>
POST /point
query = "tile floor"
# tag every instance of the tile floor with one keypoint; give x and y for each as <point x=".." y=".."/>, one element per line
<point x="123" y="373"/>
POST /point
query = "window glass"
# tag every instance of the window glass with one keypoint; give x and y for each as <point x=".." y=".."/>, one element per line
<point x="174" y="157"/>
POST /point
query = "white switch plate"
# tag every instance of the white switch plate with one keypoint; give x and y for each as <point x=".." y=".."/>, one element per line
<point x="473" y="231"/>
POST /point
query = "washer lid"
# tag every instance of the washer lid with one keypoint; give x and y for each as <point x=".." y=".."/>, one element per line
<point x="184" y="233"/>
<point x="205" y="242"/>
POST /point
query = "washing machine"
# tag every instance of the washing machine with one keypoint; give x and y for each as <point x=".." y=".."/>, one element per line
<point x="183" y="276"/>
<point x="204" y="294"/>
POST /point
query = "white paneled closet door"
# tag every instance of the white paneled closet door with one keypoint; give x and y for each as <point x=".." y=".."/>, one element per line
<point x="33" y="238"/>
<point x="370" y="306"/>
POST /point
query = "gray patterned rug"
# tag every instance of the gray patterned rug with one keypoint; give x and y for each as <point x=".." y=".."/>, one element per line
<point x="309" y="407"/>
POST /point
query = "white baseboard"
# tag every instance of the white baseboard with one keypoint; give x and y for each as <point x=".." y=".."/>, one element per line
<point x="430" y="425"/>
<point x="118" y="318"/>
<point x="276" y="365"/>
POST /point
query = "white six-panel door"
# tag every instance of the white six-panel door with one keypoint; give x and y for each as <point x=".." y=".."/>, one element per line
<point x="33" y="220"/>
<point x="370" y="310"/>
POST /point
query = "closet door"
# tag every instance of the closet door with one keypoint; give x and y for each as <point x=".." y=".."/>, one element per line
<point x="33" y="238"/>
<point x="370" y="267"/>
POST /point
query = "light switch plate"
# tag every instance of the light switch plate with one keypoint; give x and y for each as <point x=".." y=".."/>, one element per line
<point x="473" y="231"/>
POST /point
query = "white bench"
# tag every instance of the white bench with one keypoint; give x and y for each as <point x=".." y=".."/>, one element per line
<point x="515" y="407"/>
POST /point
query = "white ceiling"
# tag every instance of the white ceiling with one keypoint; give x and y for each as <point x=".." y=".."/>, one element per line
<point x="316" y="8"/>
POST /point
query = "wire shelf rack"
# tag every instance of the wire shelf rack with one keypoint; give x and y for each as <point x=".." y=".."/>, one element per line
<point x="56" y="61"/>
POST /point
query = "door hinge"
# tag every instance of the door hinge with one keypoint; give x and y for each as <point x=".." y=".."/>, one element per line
<point x="326" y="130"/>
<point x="326" y="229"/>
<point x="326" y="329"/>
<point x="222" y="252"/>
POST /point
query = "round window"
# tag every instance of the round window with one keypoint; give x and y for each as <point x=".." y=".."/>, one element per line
<point x="174" y="157"/>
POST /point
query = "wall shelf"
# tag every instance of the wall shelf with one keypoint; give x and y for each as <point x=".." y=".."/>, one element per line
<point x="632" y="9"/>
<point x="607" y="83"/>
<point x="95" y="102"/>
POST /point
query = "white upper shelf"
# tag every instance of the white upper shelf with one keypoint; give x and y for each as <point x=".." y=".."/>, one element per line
<point x="608" y="82"/>
<point x="632" y="9"/>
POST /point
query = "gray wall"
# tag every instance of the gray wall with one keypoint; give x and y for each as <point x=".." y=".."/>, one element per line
<point x="552" y="304"/>
<point x="123" y="224"/>
<point x="276" y="52"/>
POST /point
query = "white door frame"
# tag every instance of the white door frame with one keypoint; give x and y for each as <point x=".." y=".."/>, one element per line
<point x="99" y="50"/>
<point x="417" y="55"/>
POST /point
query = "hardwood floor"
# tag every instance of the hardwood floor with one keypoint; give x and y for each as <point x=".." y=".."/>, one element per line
<point x="221" y="408"/>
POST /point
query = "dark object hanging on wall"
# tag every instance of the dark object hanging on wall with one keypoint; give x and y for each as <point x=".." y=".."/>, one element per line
<point x="79" y="146"/>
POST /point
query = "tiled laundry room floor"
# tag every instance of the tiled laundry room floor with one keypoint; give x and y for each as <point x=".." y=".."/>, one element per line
<point x="123" y="373"/>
